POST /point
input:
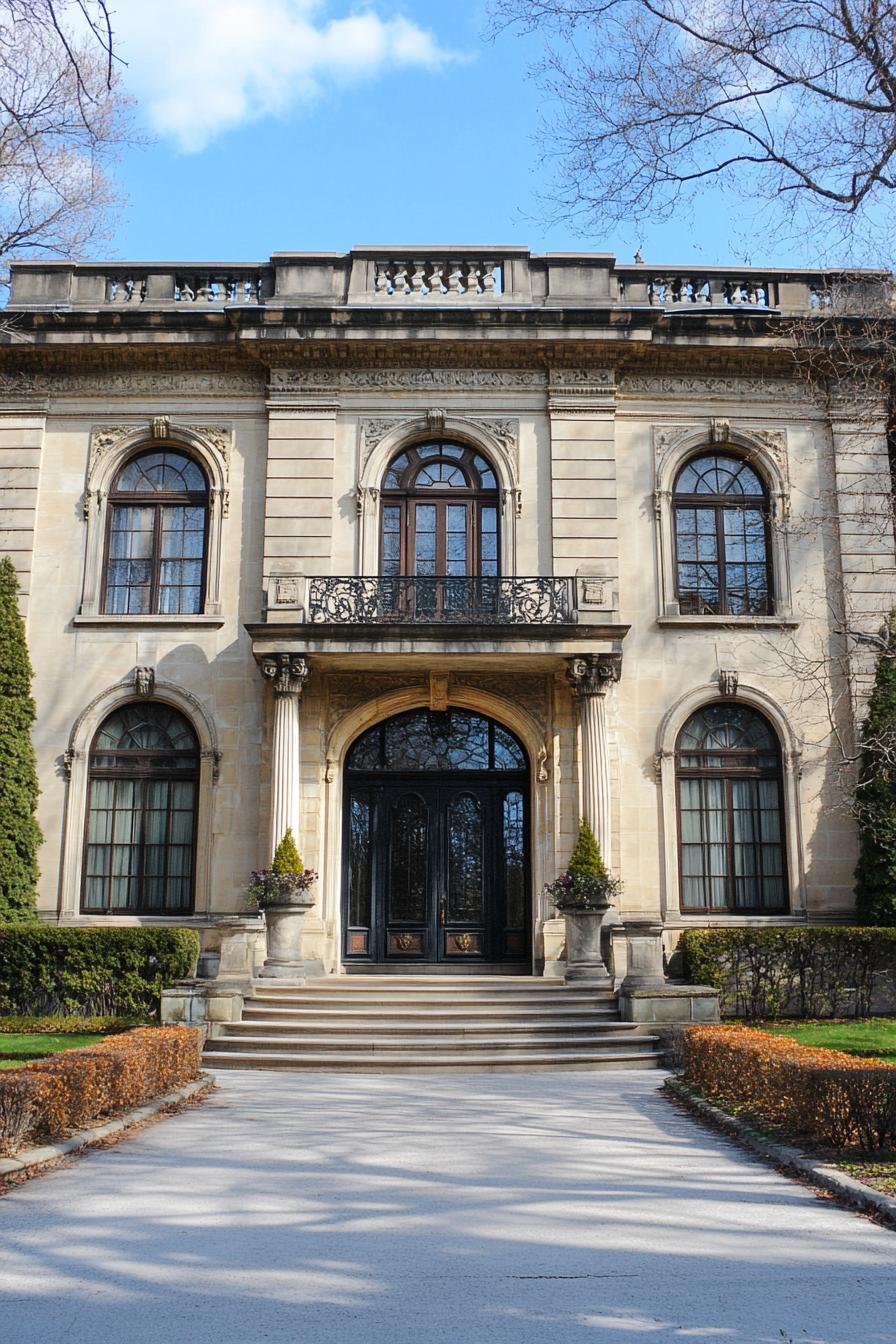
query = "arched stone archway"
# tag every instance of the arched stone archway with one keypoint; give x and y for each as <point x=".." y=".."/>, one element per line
<point x="435" y="826"/>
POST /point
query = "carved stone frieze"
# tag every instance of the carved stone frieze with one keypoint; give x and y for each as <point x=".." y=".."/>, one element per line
<point x="135" y="384"/>
<point x="347" y="690"/>
<point x="398" y="380"/>
<point x="529" y="693"/>
<point x="709" y="386"/>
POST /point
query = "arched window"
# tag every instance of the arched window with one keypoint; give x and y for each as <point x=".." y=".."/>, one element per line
<point x="730" y="813"/>
<point x="141" y="813"/>
<point x="439" y="514"/>
<point x="721" y="538"/>
<point x="156" y="544"/>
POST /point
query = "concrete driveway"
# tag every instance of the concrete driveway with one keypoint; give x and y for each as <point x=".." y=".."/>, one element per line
<point x="423" y="1209"/>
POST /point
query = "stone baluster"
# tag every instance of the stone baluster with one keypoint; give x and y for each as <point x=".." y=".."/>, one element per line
<point x="287" y="673"/>
<point x="591" y="678"/>
<point x="418" y="279"/>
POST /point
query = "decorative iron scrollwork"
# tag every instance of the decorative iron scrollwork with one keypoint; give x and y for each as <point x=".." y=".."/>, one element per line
<point x="440" y="601"/>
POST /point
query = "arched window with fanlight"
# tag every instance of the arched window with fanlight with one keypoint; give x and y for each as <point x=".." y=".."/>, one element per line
<point x="730" y="813"/>
<point x="439" y="539"/>
<point x="722" y="553"/>
<point x="156" y="539"/>
<point x="140" y="842"/>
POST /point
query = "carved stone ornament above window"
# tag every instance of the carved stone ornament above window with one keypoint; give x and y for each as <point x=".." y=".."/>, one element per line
<point x="104" y="438"/>
<point x="501" y="430"/>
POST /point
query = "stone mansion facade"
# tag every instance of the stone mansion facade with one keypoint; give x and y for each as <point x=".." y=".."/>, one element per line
<point x="427" y="554"/>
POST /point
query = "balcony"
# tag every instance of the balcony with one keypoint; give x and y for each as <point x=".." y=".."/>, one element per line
<point x="348" y="618"/>
<point x="441" y="601"/>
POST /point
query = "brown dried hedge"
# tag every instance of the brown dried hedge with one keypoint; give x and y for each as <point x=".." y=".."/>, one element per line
<point x="68" y="1090"/>
<point x="830" y="1097"/>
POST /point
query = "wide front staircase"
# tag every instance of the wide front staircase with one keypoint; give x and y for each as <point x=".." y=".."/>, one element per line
<point x="430" y="1022"/>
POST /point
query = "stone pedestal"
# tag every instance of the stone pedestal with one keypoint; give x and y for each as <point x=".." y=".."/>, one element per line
<point x="644" y="959"/>
<point x="584" y="963"/>
<point x="683" y="1004"/>
<point x="283" y="926"/>
<point x="240" y="940"/>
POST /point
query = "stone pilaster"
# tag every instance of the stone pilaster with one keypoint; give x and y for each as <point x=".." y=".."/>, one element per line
<point x="591" y="678"/>
<point x="287" y="673"/>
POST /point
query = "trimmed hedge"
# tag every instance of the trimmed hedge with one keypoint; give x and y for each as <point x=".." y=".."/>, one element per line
<point x="89" y="972"/>
<point x="807" y="972"/>
<point x="46" y="1099"/>
<point x="58" y="1024"/>
<point x="832" y="1098"/>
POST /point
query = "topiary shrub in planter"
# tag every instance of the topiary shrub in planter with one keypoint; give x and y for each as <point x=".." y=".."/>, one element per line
<point x="583" y="895"/>
<point x="587" y="883"/>
<point x="107" y="972"/>
<point x="283" y="893"/>
<point x="809" y="972"/>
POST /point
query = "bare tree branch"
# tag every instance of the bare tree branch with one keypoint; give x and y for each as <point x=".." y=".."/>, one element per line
<point x="654" y="101"/>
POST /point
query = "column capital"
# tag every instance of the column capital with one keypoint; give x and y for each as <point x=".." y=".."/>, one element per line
<point x="593" y="673"/>
<point x="287" y="672"/>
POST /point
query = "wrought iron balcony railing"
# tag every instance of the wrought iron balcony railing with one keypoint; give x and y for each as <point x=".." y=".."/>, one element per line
<point x="441" y="601"/>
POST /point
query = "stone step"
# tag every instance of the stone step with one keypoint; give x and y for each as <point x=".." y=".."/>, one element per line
<point x="425" y="1011"/>
<point x="355" y="1043"/>
<point x="397" y="1035"/>
<point x="408" y="999"/>
<point x="553" y="1059"/>
<point x="292" y="1019"/>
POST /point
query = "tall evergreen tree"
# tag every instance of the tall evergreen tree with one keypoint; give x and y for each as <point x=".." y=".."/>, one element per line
<point x="876" y="795"/>
<point x="19" y="832"/>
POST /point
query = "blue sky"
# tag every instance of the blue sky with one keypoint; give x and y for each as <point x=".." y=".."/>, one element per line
<point x="281" y="125"/>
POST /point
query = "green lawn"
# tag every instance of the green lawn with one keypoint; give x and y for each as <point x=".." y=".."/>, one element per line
<point x="870" y="1036"/>
<point x="36" y="1045"/>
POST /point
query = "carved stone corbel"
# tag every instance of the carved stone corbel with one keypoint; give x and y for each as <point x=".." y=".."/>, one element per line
<point x="160" y="426"/>
<point x="728" y="679"/>
<point x="144" y="682"/>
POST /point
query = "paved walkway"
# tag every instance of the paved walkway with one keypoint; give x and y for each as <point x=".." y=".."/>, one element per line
<point x="425" y="1209"/>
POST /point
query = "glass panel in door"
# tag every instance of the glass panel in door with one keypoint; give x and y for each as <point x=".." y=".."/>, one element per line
<point x="408" y="887"/>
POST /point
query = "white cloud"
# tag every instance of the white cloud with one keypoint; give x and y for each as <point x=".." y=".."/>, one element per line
<point x="202" y="67"/>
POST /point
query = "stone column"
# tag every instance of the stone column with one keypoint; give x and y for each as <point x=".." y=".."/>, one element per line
<point x="287" y="673"/>
<point x="591" y="678"/>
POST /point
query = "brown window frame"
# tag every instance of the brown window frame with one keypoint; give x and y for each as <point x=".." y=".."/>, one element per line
<point x="721" y="504"/>
<point x="158" y="501"/>
<point x="474" y="498"/>
<point x="136" y="766"/>
<point x="729" y="774"/>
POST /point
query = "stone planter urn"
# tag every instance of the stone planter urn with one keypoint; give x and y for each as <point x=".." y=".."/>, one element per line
<point x="584" y="963"/>
<point x="283" y="922"/>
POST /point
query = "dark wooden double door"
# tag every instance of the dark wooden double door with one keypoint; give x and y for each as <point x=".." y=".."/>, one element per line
<point x="436" y="871"/>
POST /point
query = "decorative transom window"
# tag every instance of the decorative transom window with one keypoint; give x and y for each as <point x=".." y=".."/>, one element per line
<point x="730" y="813"/>
<point x="440" y="506"/>
<point x="140" y="844"/>
<point x="156" y="539"/>
<point x="721" y="538"/>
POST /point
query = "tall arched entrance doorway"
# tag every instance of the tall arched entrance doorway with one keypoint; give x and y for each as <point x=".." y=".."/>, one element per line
<point x="436" y="844"/>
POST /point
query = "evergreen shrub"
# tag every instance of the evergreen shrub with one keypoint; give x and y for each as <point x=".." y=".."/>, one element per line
<point x="800" y="972"/>
<point x="20" y="835"/>
<point x="875" y="796"/>
<point x="91" y="972"/>
<point x="587" y="883"/>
